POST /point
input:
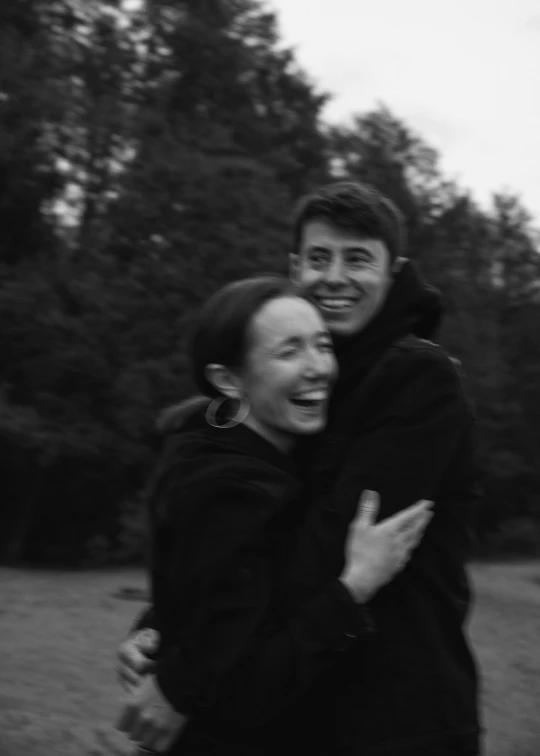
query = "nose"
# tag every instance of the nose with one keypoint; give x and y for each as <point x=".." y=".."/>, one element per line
<point x="335" y="273"/>
<point x="318" y="365"/>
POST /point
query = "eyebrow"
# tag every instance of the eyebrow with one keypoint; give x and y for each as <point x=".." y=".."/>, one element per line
<point x="297" y="339"/>
<point x="357" y="247"/>
<point x="317" y="248"/>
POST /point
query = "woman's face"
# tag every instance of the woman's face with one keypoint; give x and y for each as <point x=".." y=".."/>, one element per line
<point x="288" y="370"/>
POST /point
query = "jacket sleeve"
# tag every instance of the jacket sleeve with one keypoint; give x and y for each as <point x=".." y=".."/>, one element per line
<point x="238" y="657"/>
<point x="421" y="445"/>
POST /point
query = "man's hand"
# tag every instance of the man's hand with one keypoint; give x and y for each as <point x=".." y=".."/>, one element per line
<point x="149" y="719"/>
<point x="133" y="660"/>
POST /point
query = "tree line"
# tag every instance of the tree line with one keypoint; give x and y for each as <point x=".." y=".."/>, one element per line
<point x="147" y="156"/>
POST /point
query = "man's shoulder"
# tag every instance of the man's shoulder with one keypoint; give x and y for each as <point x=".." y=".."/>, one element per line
<point x="414" y="346"/>
<point x="412" y="352"/>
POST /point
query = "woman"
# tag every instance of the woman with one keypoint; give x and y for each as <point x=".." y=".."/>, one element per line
<point x="226" y="507"/>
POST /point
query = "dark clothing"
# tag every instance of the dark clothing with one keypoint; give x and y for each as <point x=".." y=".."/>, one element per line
<point x="400" y="425"/>
<point x="226" y="509"/>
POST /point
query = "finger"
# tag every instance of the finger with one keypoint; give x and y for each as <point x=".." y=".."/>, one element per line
<point x="410" y="542"/>
<point x="131" y="657"/>
<point x="144" y="732"/>
<point x="409" y="516"/>
<point x="368" y="509"/>
<point x="164" y="742"/>
<point x="167" y="738"/>
<point x="411" y="537"/>
<point x="148" y="667"/>
<point x="148" y="739"/>
<point x="137" y="661"/>
<point x="128" y="678"/>
<point x="126" y="718"/>
<point x="418" y="528"/>
<point x="415" y="533"/>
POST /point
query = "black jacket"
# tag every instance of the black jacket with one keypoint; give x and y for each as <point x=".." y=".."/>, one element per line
<point x="401" y="424"/>
<point x="225" y="510"/>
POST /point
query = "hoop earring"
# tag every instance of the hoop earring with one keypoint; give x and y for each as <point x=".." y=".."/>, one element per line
<point x="399" y="262"/>
<point x="215" y="404"/>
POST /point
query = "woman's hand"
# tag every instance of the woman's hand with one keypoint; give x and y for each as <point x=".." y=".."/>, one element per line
<point x="374" y="553"/>
<point x="133" y="662"/>
<point x="149" y="719"/>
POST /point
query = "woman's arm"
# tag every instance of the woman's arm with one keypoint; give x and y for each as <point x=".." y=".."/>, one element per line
<point x="229" y="614"/>
<point x="239" y="658"/>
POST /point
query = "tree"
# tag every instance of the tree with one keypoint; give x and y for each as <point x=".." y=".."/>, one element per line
<point x="177" y="136"/>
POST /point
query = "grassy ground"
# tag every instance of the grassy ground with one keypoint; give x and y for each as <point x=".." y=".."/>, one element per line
<point x="58" y="633"/>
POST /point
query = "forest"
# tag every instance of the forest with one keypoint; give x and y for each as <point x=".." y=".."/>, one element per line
<point x="151" y="152"/>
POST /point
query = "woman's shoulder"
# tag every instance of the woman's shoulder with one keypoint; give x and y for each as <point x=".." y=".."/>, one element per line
<point x="228" y="489"/>
<point x="213" y="463"/>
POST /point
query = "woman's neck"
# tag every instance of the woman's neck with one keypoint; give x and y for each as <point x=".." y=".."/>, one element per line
<point x="281" y="440"/>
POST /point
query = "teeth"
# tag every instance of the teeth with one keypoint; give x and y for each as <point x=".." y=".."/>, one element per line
<point x="337" y="304"/>
<point x="313" y="396"/>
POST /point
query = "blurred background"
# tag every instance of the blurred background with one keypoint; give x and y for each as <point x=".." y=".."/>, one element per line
<point x="152" y="151"/>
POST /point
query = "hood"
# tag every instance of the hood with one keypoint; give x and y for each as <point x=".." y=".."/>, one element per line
<point x="411" y="307"/>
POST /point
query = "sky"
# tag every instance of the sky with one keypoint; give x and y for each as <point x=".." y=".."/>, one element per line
<point x="464" y="74"/>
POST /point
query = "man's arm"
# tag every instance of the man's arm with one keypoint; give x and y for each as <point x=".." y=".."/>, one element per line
<point x="418" y="446"/>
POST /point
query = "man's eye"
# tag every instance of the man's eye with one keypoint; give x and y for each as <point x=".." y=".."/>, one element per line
<point x="358" y="259"/>
<point x="317" y="258"/>
<point x="326" y="346"/>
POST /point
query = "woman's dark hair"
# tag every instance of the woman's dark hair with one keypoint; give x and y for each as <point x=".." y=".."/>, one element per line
<point x="221" y="336"/>
<point x="221" y="333"/>
<point x="354" y="207"/>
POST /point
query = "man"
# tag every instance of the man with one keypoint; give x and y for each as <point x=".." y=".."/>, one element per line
<point x="399" y="424"/>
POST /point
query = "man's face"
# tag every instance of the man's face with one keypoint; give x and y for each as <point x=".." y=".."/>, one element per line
<point x="345" y="275"/>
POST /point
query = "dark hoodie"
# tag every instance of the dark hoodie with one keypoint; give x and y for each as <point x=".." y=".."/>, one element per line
<point x="399" y="424"/>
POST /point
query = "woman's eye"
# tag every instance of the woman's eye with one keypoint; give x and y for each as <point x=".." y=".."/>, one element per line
<point x="288" y="353"/>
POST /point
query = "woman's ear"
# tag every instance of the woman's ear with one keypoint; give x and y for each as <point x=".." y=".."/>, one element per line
<point x="224" y="380"/>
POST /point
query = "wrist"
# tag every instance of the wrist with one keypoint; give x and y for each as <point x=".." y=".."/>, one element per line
<point x="355" y="583"/>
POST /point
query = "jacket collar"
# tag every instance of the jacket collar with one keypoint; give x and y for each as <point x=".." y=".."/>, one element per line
<point x="241" y="439"/>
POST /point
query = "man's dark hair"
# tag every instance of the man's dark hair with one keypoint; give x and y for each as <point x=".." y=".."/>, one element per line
<point x="355" y="207"/>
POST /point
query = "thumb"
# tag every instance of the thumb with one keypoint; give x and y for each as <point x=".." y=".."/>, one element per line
<point x="368" y="509"/>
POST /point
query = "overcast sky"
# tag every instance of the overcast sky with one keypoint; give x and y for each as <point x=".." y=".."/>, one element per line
<point x="465" y="74"/>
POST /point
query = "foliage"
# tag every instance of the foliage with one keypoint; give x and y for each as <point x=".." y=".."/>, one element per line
<point x="146" y="158"/>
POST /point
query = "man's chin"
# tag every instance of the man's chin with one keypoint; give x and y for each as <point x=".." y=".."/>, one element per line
<point x="344" y="329"/>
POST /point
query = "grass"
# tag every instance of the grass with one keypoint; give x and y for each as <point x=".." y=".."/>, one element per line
<point x="59" y="632"/>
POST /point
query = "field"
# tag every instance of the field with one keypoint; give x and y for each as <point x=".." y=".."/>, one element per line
<point x="58" y="633"/>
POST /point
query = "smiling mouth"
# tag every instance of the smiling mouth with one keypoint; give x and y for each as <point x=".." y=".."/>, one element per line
<point x="312" y="401"/>
<point x="336" y="304"/>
